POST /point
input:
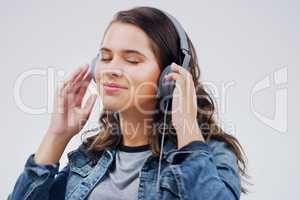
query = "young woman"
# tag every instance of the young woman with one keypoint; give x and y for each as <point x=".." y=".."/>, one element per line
<point x="130" y="157"/>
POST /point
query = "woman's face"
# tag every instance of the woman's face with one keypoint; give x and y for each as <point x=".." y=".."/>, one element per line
<point x="127" y="59"/>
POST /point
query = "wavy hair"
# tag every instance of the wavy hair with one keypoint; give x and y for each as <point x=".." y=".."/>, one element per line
<point x="165" y="45"/>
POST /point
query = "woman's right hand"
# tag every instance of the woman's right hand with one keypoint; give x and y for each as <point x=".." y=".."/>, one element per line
<point x="69" y="116"/>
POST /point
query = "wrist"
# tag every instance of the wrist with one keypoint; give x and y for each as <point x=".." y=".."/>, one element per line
<point x="189" y="134"/>
<point x="51" y="148"/>
<point x="58" y="137"/>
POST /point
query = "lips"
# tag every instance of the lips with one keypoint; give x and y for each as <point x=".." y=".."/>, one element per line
<point x="114" y="85"/>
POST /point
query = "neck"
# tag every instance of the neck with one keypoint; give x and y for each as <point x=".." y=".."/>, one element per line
<point x="135" y="126"/>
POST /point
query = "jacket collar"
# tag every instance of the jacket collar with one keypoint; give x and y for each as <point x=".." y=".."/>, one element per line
<point x="80" y="159"/>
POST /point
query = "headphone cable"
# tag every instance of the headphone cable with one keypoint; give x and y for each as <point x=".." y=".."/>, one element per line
<point x="161" y="149"/>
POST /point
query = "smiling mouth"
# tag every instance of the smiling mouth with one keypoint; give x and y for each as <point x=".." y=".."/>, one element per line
<point x="112" y="87"/>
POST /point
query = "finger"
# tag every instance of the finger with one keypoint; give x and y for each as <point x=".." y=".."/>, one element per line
<point x="79" y="96"/>
<point x="80" y="76"/>
<point x="82" y="81"/>
<point x="187" y="82"/>
<point x="73" y="93"/>
<point x="187" y="76"/>
<point x="74" y="74"/>
<point x="82" y="89"/>
<point x="61" y="100"/>
<point x="180" y="82"/>
<point x="74" y="84"/>
<point x="66" y="97"/>
<point x="88" y="74"/>
<point x="85" y="79"/>
<point x="89" y="105"/>
<point x="64" y="89"/>
<point x="172" y="76"/>
<point x="179" y="69"/>
<point x="68" y="82"/>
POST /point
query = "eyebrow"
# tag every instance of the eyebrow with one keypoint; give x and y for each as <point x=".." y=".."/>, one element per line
<point x="124" y="51"/>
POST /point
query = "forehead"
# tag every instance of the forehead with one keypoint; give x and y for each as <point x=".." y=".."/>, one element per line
<point x="120" y="36"/>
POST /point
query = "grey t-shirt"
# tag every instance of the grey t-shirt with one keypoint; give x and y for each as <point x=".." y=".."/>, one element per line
<point x="123" y="176"/>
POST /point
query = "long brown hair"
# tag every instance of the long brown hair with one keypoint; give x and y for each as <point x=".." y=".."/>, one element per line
<point x="165" y="45"/>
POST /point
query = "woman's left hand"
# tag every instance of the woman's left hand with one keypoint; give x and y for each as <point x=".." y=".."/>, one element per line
<point x="184" y="106"/>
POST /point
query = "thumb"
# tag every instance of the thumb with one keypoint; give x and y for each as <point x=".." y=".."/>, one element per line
<point x="89" y="105"/>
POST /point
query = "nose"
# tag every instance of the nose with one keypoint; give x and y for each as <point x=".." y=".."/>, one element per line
<point x="112" y="70"/>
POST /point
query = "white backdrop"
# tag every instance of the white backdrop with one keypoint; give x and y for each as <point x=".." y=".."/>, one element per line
<point x="247" y="51"/>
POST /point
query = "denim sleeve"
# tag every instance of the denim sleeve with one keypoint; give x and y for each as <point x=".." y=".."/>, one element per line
<point x="37" y="181"/>
<point x="209" y="172"/>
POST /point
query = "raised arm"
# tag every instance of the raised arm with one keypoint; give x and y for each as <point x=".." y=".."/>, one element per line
<point x="67" y="119"/>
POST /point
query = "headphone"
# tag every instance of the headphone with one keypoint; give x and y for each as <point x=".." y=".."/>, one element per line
<point x="165" y="87"/>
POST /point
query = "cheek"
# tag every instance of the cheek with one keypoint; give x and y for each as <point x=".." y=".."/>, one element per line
<point x="146" y="82"/>
<point x="97" y="72"/>
<point x="146" y="87"/>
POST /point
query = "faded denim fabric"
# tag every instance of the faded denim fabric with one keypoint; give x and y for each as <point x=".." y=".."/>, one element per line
<point x="198" y="170"/>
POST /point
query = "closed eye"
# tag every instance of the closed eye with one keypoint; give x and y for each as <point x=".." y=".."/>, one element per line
<point x="132" y="62"/>
<point x="129" y="61"/>
<point x="105" y="60"/>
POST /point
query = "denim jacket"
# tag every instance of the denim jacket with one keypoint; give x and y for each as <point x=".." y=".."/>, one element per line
<point x="198" y="170"/>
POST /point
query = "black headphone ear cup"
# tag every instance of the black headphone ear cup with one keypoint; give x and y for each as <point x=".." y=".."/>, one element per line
<point x="93" y="66"/>
<point x="165" y="87"/>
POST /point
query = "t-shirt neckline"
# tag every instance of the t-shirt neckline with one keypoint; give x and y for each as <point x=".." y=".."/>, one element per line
<point x="134" y="149"/>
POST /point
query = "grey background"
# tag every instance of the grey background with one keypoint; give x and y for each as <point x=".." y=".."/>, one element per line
<point x="239" y="43"/>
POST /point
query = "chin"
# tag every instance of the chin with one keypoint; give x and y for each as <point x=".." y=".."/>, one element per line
<point x="110" y="105"/>
<point x="113" y="105"/>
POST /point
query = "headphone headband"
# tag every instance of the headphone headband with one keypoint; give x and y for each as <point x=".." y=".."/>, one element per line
<point x="184" y="47"/>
